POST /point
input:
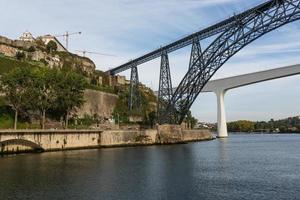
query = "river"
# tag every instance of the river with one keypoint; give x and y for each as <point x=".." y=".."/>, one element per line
<point x="240" y="167"/>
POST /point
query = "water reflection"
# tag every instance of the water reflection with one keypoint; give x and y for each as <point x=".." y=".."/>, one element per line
<point x="240" y="167"/>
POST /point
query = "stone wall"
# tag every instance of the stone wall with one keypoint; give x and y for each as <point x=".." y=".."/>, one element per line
<point x="123" y="138"/>
<point x="28" y="140"/>
<point x="49" y="140"/>
<point x="196" y="135"/>
<point x="170" y="133"/>
<point x="15" y="43"/>
<point x="99" y="103"/>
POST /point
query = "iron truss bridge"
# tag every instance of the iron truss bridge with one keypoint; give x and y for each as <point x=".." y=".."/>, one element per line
<point x="228" y="38"/>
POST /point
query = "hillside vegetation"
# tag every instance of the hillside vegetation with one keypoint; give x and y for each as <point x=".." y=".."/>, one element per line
<point x="121" y="113"/>
<point x="289" y="125"/>
<point x="9" y="63"/>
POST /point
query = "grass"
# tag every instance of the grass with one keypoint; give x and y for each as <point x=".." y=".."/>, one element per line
<point x="7" y="122"/>
<point x="7" y="64"/>
<point x="7" y="118"/>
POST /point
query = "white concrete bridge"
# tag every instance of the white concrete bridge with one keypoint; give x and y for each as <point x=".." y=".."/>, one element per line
<point x="221" y="86"/>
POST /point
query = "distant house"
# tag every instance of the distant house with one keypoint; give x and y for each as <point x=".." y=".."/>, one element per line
<point x="47" y="38"/>
<point x="27" y="36"/>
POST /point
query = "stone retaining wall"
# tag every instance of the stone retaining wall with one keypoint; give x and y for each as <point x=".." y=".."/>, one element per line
<point x="196" y="135"/>
<point x="21" y="141"/>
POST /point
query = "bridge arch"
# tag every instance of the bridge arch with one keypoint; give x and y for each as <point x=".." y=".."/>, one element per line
<point x="245" y="30"/>
<point x="19" y="145"/>
<point x="231" y="36"/>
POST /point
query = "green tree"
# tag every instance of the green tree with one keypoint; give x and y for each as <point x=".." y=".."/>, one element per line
<point x="152" y="116"/>
<point x="20" y="55"/>
<point x="15" y="86"/>
<point x="51" y="46"/>
<point x="44" y="92"/>
<point x="121" y="111"/>
<point x="190" y="120"/>
<point x="31" y="49"/>
<point x="241" y="126"/>
<point x="70" y="91"/>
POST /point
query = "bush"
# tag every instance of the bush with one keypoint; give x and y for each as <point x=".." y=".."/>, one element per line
<point x="51" y="46"/>
<point x="31" y="49"/>
<point x="20" y="55"/>
<point x="44" y="61"/>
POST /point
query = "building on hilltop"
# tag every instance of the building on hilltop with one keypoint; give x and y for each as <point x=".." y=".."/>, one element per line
<point x="47" y="38"/>
<point x="27" y="36"/>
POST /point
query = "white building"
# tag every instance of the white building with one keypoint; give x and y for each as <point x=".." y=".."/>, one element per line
<point x="47" y="38"/>
<point x="27" y="36"/>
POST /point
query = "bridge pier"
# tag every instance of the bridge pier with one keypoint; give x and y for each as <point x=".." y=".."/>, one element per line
<point x="222" y="124"/>
<point x="165" y="86"/>
<point x="134" y="94"/>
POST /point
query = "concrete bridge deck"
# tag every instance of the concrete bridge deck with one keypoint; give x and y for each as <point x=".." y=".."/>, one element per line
<point x="251" y="78"/>
<point x="221" y="86"/>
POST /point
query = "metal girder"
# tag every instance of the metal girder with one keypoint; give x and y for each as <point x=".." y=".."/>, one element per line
<point x="245" y="30"/>
<point x="196" y="52"/>
<point x="202" y="34"/>
<point x="165" y="85"/>
<point x="134" y="95"/>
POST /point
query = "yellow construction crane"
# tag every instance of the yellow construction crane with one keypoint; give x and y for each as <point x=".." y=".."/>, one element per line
<point x="90" y="52"/>
<point x="66" y="37"/>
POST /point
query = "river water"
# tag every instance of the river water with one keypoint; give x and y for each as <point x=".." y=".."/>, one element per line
<point x="240" y="167"/>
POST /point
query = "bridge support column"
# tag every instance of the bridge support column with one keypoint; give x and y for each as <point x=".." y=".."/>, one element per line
<point x="165" y="86"/>
<point x="134" y="96"/>
<point x="222" y="124"/>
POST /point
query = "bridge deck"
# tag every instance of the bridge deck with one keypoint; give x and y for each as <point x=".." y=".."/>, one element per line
<point x="248" y="79"/>
<point x="251" y="78"/>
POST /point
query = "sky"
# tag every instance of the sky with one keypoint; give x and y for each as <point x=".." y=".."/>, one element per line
<point x="131" y="28"/>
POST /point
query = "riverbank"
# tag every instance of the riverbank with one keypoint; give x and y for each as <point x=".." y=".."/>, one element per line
<point x="21" y="141"/>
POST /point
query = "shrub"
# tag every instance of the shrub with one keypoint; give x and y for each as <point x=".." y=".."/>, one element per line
<point x="51" y="46"/>
<point x="31" y="49"/>
<point x="20" y="55"/>
<point x="44" y="61"/>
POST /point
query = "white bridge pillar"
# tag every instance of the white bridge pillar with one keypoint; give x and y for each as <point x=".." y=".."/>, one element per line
<point x="222" y="124"/>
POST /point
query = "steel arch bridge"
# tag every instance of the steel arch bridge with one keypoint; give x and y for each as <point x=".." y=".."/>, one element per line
<point x="231" y="35"/>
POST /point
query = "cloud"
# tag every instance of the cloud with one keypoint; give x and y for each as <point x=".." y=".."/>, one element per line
<point x="131" y="28"/>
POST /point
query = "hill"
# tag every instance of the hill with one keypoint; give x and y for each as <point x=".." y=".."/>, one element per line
<point x="97" y="109"/>
<point x="288" y="125"/>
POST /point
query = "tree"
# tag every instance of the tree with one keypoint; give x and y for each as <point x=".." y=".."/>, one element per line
<point x="44" y="92"/>
<point x="70" y="93"/>
<point x="51" y="46"/>
<point x="31" y="49"/>
<point x="190" y="120"/>
<point x="20" y="55"/>
<point x="241" y="126"/>
<point x="121" y="111"/>
<point x="15" y="86"/>
<point x="152" y="116"/>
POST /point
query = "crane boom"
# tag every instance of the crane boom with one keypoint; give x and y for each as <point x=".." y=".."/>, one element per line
<point x="91" y="52"/>
<point x="66" y="36"/>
